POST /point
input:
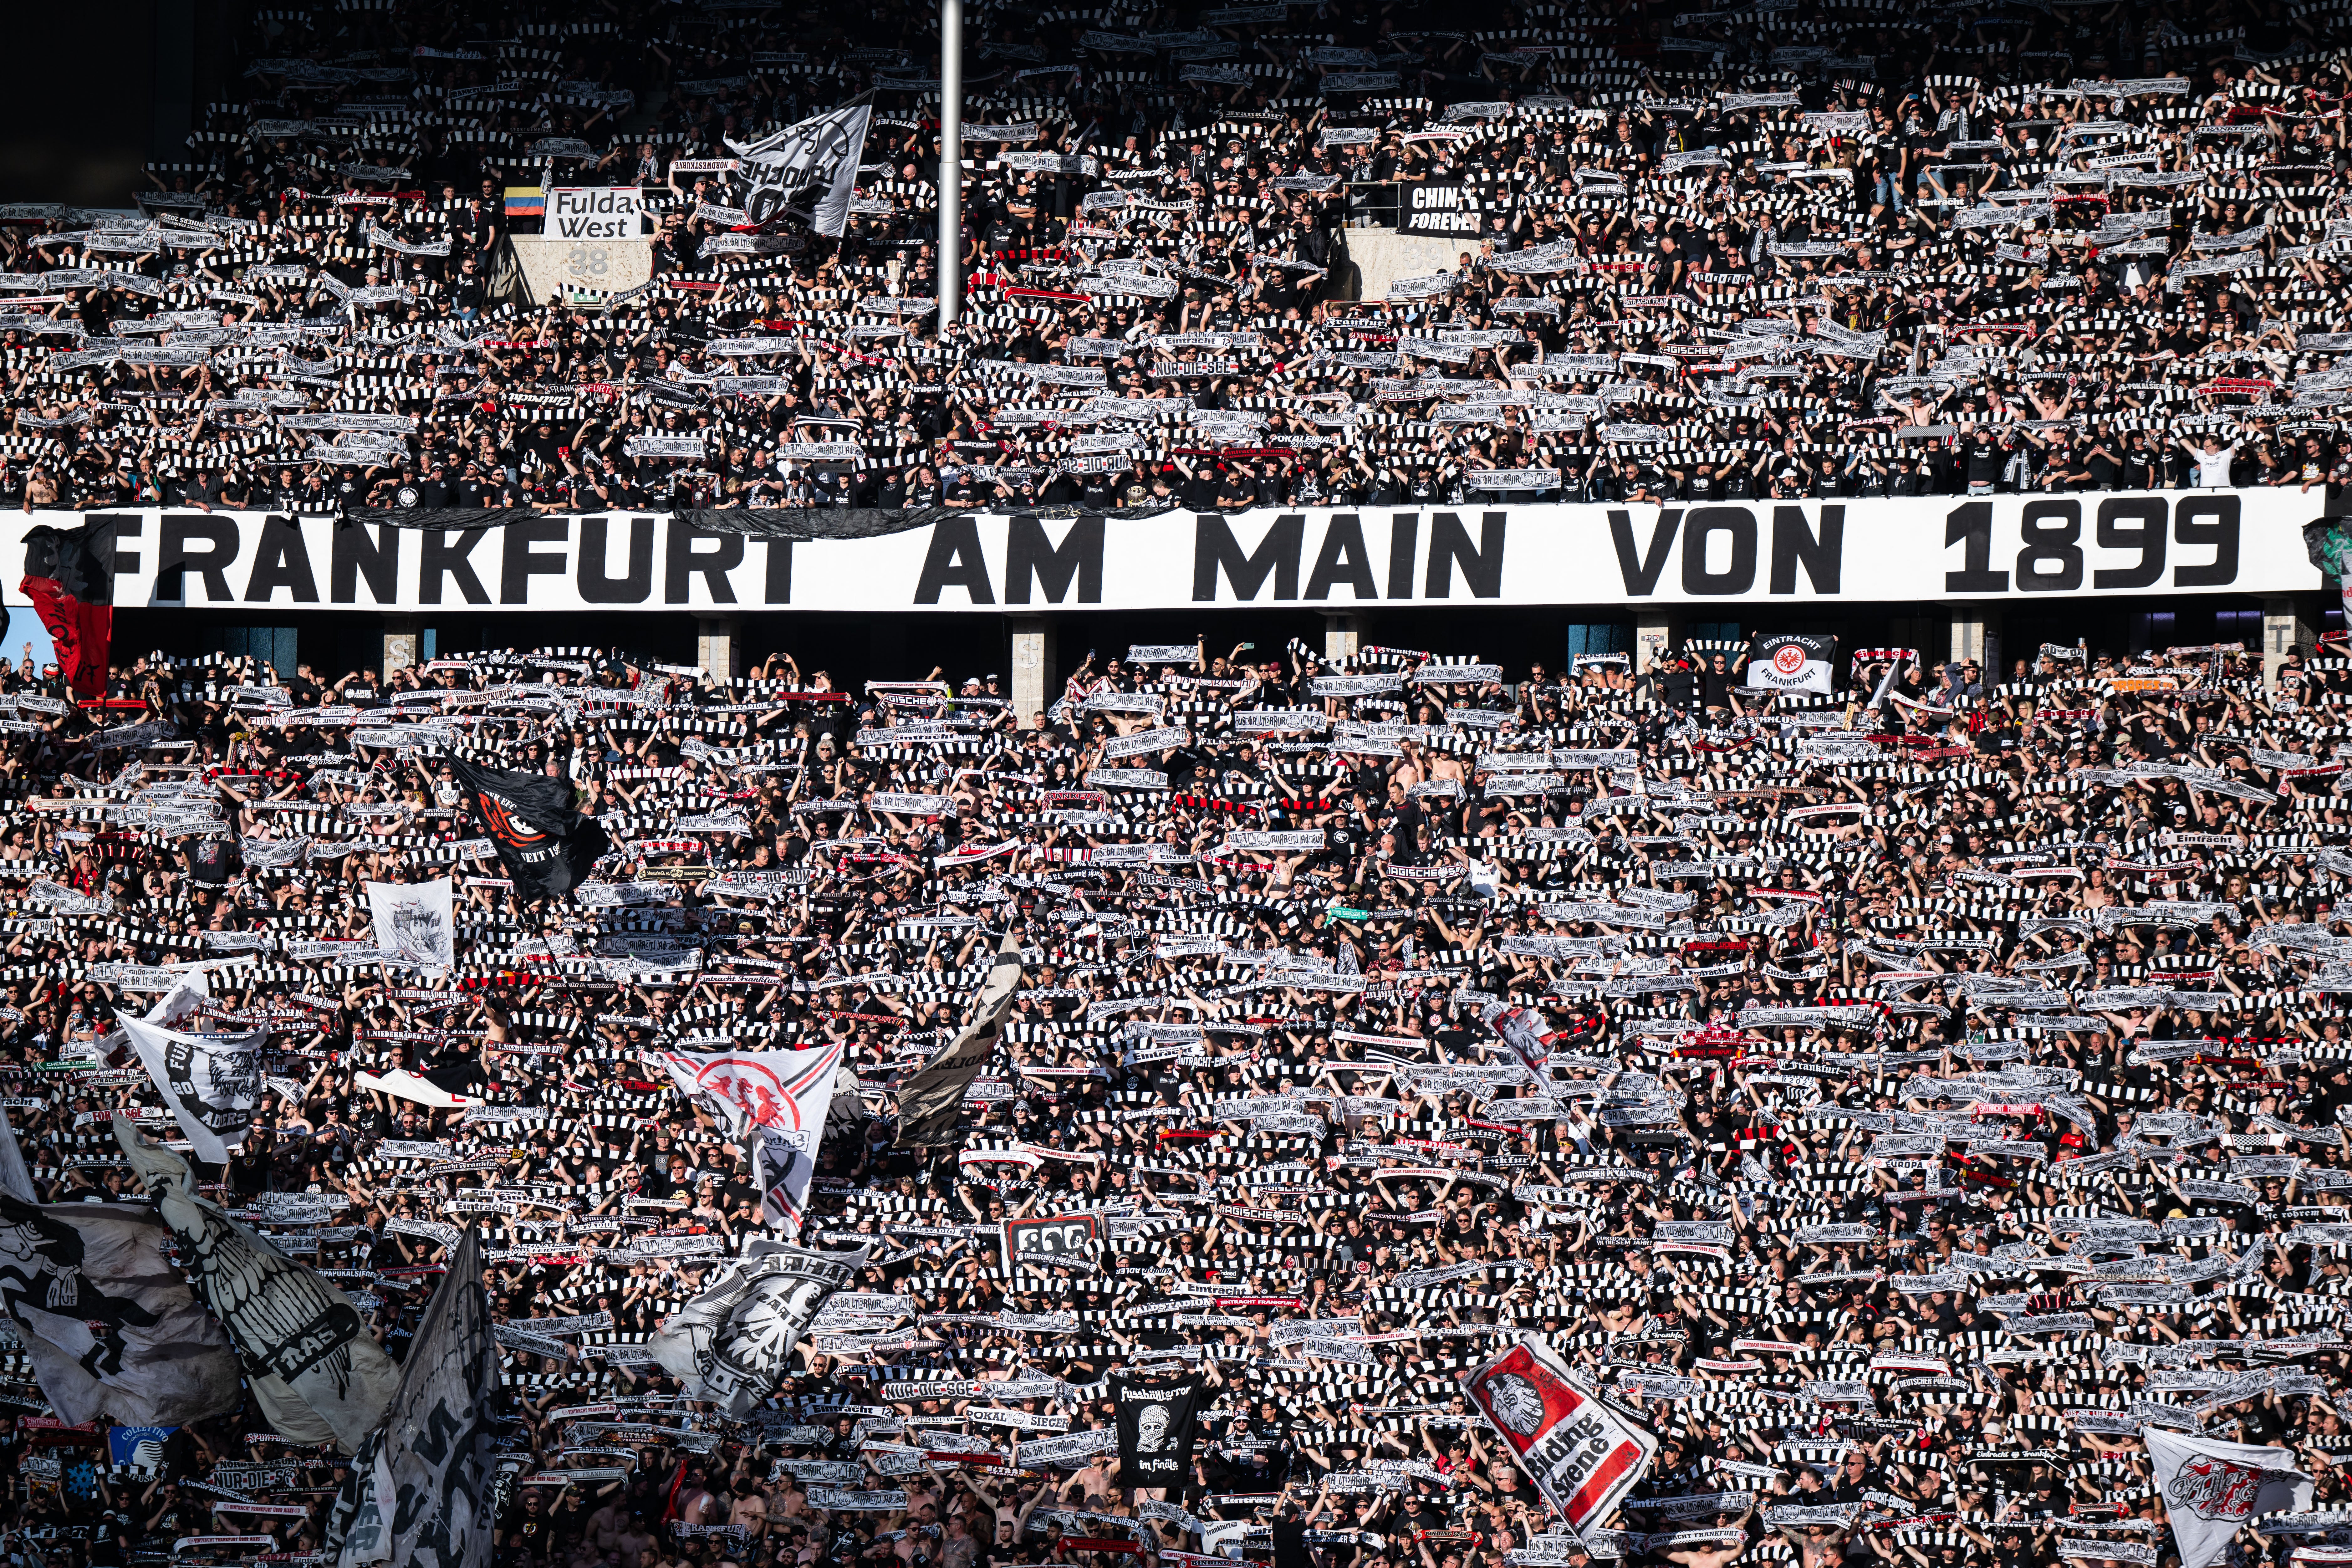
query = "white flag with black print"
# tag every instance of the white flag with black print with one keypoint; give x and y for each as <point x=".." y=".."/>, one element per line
<point x="777" y="1103"/>
<point x="732" y="1344"/>
<point x="2211" y="1489"/>
<point x="317" y="1373"/>
<point x="791" y="1090"/>
<point x="423" y="1493"/>
<point x="416" y="921"/>
<point x="108" y="1322"/>
<point x="1787" y="663"/>
<point x="212" y="1082"/>
<point x="809" y="170"/>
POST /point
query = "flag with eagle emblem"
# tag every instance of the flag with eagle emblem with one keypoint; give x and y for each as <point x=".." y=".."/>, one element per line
<point x="777" y="1103"/>
<point x="732" y="1344"/>
<point x="2211" y="1489"/>
<point x="316" y="1372"/>
<point x="546" y="845"/>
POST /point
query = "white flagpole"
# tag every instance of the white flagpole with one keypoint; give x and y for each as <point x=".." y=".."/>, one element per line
<point x="951" y="160"/>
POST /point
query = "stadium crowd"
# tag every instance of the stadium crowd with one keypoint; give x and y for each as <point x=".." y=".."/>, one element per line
<point x="1902" y="1101"/>
<point x="1775" y="250"/>
<point x="1907" y="1104"/>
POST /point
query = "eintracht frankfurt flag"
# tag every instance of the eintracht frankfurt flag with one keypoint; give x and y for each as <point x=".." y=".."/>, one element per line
<point x="811" y="167"/>
<point x="2211" y="1489"/>
<point x="1791" y="663"/>
<point x="777" y="1103"/>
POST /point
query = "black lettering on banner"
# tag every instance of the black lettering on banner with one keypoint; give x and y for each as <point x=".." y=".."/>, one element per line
<point x="354" y="555"/>
<point x="2053" y="531"/>
<point x="1822" y="554"/>
<point x="777" y="588"/>
<point x="1341" y="559"/>
<point x="2221" y="534"/>
<point x="1449" y="546"/>
<point x="1031" y="561"/>
<point x="129" y="525"/>
<point x="280" y="560"/>
<point x="954" y="561"/>
<point x="183" y="529"/>
<point x="1642" y="572"/>
<point x="2148" y="539"/>
<point x="432" y="1443"/>
<point x="1737" y="578"/>
<point x="520" y="563"/>
<point x="439" y="556"/>
<point x="1404" y="543"/>
<point x="685" y="560"/>
<point x="637" y="585"/>
<point x="1970" y="524"/>
<point x="1214" y="549"/>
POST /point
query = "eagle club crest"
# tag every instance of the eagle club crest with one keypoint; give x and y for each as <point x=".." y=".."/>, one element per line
<point x="2216" y="1489"/>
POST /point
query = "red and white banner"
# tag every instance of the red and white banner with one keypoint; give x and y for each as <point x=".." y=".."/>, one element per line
<point x="1580" y="1455"/>
<point x="777" y="1103"/>
<point x="2211" y="1489"/>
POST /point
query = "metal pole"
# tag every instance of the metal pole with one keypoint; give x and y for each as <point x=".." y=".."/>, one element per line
<point x="951" y="160"/>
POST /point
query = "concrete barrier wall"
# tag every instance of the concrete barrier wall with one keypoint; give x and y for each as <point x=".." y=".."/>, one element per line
<point x="1380" y="256"/>
<point x="550" y="264"/>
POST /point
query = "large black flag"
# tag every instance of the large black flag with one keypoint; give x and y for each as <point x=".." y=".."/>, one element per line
<point x="70" y="577"/>
<point x="421" y="1493"/>
<point x="545" y="845"/>
<point x="1156" y="1422"/>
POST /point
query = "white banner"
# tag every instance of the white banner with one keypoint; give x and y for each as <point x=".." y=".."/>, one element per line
<point x="732" y="1344"/>
<point x="211" y="1082"/>
<point x="596" y="213"/>
<point x="417" y="920"/>
<point x="2211" y="1489"/>
<point x="764" y="1089"/>
<point x="1579" y="1454"/>
<point x="1944" y="548"/>
<point x="317" y="1373"/>
<point x="777" y="1101"/>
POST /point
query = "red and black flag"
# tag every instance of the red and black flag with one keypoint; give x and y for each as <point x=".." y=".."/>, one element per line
<point x="70" y="577"/>
<point x="546" y="846"/>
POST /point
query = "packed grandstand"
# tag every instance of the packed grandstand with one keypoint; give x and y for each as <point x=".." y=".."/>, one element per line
<point x="1767" y="251"/>
<point x="1887" y="1124"/>
<point x="557" y="1108"/>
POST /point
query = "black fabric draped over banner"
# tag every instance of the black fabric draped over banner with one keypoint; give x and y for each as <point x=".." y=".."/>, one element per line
<point x="758" y="522"/>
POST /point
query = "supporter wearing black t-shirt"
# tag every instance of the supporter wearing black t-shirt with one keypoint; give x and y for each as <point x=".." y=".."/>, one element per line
<point x="1199" y="490"/>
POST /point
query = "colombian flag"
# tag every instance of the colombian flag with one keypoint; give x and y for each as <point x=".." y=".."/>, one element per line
<point x="525" y="201"/>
